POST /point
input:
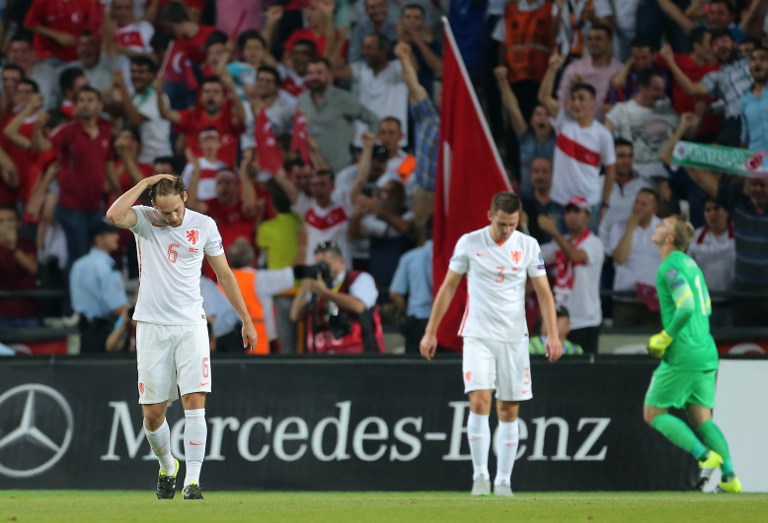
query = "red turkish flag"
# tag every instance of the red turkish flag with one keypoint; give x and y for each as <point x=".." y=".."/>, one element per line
<point x="300" y="138"/>
<point x="270" y="155"/>
<point x="469" y="173"/>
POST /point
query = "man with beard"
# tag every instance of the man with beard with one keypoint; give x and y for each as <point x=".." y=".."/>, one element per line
<point x="331" y="114"/>
<point x="754" y="104"/>
<point x="728" y="83"/>
<point x="214" y="109"/>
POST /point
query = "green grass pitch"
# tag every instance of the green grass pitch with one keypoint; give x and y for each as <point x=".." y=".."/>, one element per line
<point x="77" y="506"/>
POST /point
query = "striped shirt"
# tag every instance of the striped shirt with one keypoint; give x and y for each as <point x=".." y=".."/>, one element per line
<point x="729" y="84"/>
<point x="750" y="231"/>
<point x="426" y="123"/>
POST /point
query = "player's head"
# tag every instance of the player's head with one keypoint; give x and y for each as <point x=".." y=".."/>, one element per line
<point x="169" y="198"/>
<point x="675" y="232"/>
<point x="504" y="215"/>
<point x="330" y="253"/>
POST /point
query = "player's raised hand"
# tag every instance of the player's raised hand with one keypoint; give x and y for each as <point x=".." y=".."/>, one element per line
<point x="554" y="348"/>
<point x="250" y="336"/>
<point x="428" y="346"/>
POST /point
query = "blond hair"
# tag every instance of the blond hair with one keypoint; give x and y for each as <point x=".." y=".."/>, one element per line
<point x="682" y="232"/>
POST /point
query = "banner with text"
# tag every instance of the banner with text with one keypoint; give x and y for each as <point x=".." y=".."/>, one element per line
<point x="332" y="424"/>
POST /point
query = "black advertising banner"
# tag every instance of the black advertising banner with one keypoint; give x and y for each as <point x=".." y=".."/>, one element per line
<point x="332" y="424"/>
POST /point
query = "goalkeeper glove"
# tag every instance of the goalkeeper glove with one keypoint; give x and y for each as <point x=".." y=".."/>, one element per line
<point x="658" y="344"/>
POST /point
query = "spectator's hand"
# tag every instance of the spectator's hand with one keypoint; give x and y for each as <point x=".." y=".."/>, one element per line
<point x="191" y="157"/>
<point x="554" y="348"/>
<point x="64" y="39"/>
<point x="317" y="286"/>
<point x="547" y="223"/>
<point x="633" y="221"/>
<point x="35" y="103"/>
<point x="403" y="51"/>
<point x="274" y="14"/>
<point x="556" y="61"/>
<point x="501" y="73"/>
<point x="666" y="53"/>
<point x="658" y="344"/>
<point x="9" y="237"/>
<point x="367" y="139"/>
<point x="157" y="84"/>
<point x="428" y="346"/>
<point x="688" y="121"/>
<point x="118" y="80"/>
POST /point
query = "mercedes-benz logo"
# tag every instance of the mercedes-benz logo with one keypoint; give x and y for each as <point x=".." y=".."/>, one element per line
<point x="34" y="399"/>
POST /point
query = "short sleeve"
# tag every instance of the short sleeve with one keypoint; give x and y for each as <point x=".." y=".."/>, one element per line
<point x="364" y="289"/>
<point x="595" y="251"/>
<point x="548" y="251"/>
<point x="615" y="115"/>
<point x="60" y="136"/>
<point x="609" y="150"/>
<point x="536" y="265"/>
<point x="271" y="282"/>
<point x="213" y="245"/>
<point x="114" y="290"/>
<point x="399" y="283"/>
<point x="460" y="259"/>
<point x="142" y="222"/>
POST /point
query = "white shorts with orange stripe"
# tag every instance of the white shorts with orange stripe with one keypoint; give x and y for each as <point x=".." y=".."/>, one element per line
<point x="497" y="365"/>
<point x="172" y="358"/>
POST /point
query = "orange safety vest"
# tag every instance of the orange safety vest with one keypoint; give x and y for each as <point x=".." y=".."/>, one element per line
<point x="529" y="41"/>
<point x="246" y="280"/>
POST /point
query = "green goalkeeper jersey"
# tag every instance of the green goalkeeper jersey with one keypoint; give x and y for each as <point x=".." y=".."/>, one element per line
<point x="685" y="310"/>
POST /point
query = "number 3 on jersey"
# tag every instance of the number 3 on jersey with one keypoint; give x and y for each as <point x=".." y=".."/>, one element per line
<point x="173" y="254"/>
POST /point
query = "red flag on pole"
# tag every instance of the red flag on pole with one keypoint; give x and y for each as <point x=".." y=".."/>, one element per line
<point x="469" y="173"/>
<point x="270" y="156"/>
<point x="300" y="138"/>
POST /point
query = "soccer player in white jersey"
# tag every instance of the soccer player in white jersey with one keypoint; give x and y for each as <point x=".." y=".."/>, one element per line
<point x="172" y="350"/>
<point x="497" y="260"/>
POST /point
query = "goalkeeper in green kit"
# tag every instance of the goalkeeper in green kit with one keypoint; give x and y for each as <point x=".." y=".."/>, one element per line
<point x="685" y="378"/>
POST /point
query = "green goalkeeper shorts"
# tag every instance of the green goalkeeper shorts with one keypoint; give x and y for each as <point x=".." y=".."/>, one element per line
<point x="677" y="388"/>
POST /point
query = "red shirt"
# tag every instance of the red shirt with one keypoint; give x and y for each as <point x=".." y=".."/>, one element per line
<point x="68" y="16"/>
<point x="14" y="278"/>
<point x="195" y="120"/>
<point x="319" y="40"/>
<point x="22" y="158"/>
<point x="83" y="164"/>
<point x="194" y="46"/>
<point x="681" y="101"/>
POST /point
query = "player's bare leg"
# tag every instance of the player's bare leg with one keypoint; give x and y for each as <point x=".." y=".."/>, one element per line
<point x="195" y="436"/>
<point x="479" y="437"/>
<point x="506" y="445"/>
<point x="159" y="437"/>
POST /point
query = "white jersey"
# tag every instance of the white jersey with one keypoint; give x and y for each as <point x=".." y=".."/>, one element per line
<point x="496" y="276"/>
<point x="170" y="264"/>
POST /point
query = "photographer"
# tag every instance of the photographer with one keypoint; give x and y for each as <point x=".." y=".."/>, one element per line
<point x="339" y="305"/>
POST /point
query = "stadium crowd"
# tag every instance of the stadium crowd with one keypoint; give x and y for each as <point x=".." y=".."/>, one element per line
<point x="308" y="129"/>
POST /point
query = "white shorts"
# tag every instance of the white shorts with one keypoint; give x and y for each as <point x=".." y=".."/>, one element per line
<point x="172" y="358"/>
<point x="497" y="365"/>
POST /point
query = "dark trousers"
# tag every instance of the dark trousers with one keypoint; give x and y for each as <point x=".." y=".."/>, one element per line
<point x="587" y="337"/>
<point x="413" y="330"/>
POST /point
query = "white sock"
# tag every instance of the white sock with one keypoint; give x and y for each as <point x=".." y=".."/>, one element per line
<point x="195" y="435"/>
<point x="160" y="441"/>
<point x="479" y="436"/>
<point x="506" y="450"/>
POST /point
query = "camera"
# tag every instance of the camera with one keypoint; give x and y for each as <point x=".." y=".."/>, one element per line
<point x="340" y="324"/>
<point x="301" y="272"/>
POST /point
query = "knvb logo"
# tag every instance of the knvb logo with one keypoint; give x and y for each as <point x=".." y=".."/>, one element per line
<point x="36" y="425"/>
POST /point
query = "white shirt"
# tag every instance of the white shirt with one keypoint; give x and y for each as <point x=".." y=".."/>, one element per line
<point x="206" y="187"/>
<point x="621" y="202"/>
<point x="496" y="276"/>
<point x="156" y="131"/>
<point x="170" y="262"/>
<point x="716" y="256"/>
<point x="268" y="283"/>
<point x="644" y="258"/>
<point x="583" y="300"/>
<point x="579" y="154"/>
<point x="329" y="224"/>
<point x="647" y="128"/>
<point x="385" y="93"/>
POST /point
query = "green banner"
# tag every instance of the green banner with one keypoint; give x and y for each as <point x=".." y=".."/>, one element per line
<point x="730" y="160"/>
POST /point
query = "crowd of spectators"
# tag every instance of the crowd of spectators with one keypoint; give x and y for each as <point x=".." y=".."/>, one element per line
<point x="308" y="129"/>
